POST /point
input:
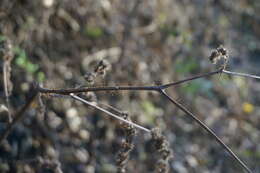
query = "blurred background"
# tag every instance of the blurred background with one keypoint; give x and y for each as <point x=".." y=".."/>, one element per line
<point x="59" y="43"/>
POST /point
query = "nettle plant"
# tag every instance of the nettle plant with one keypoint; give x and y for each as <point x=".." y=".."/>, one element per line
<point x="218" y="56"/>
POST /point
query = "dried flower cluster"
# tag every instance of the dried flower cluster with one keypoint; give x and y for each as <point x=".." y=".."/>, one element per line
<point x="102" y="67"/>
<point x="162" y="147"/>
<point x="219" y="56"/>
<point x="126" y="146"/>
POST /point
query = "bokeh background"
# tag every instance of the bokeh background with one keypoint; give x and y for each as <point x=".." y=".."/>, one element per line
<point x="145" y="42"/>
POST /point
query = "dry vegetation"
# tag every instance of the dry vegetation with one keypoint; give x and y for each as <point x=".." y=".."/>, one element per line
<point x="99" y="43"/>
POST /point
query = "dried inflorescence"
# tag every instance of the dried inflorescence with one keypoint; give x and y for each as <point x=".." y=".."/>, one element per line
<point x="102" y="67"/>
<point x="162" y="147"/>
<point x="219" y="56"/>
<point x="100" y="70"/>
<point x="126" y="146"/>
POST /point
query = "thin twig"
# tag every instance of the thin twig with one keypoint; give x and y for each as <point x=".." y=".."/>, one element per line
<point x="204" y="126"/>
<point x="112" y="108"/>
<point x="190" y="79"/>
<point x="127" y="88"/>
<point x="18" y="116"/>
<point x="160" y="89"/>
<point x="241" y="74"/>
<point x="109" y="113"/>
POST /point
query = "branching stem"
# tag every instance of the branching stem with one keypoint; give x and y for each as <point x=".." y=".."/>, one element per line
<point x="204" y="126"/>
<point x="109" y="113"/>
<point x="161" y="89"/>
<point x="126" y="88"/>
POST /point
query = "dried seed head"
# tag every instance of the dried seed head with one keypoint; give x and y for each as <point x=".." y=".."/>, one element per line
<point x="222" y="50"/>
<point x="162" y="147"/>
<point x="214" y="56"/>
<point x="219" y="57"/>
<point x="102" y="67"/>
<point x="126" y="146"/>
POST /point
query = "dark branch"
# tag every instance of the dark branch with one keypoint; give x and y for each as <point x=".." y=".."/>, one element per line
<point x="95" y="89"/>
<point x="190" y="79"/>
<point x="126" y="88"/>
<point x="204" y="126"/>
<point x="159" y="88"/>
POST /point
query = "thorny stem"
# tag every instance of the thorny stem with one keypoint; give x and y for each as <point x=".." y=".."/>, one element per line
<point x="109" y="113"/>
<point x="241" y="74"/>
<point x="120" y="88"/>
<point x="18" y="116"/>
<point x="204" y="126"/>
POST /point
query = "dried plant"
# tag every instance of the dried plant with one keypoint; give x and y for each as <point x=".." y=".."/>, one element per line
<point x="160" y="142"/>
<point x="219" y="57"/>
<point x="126" y="146"/>
<point x="100" y="70"/>
<point x="162" y="147"/>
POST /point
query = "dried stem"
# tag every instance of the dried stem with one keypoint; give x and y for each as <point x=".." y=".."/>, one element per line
<point x="204" y="126"/>
<point x="126" y="88"/>
<point x="241" y="74"/>
<point x="159" y="89"/>
<point x="165" y="86"/>
<point x="109" y="113"/>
